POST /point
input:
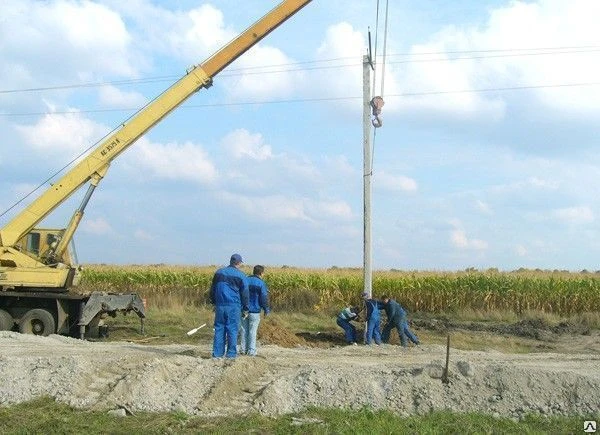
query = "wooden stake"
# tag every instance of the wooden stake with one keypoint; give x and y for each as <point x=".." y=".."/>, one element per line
<point x="445" y="379"/>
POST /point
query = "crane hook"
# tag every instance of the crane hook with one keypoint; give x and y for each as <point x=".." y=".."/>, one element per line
<point x="377" y="104"/>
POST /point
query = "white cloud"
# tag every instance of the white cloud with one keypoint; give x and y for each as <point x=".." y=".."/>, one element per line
<point x="22" y="189"/>
<point x="254" y="166"/>
<point x="269" y="208"/>
<point x="299" y="168"/>
<point x="520" y="25"/>
<point x="142" y="235"/>
<point x="333" y="209"/>
<point x="274" y="208"/>
<point x="194" y="34"/>
<point x="442" y="79"/>
<point x="483" y="207"/>
<point x="459" y="239"/>
<point x="97" y="226"/>
<point x="387" y="181"/>
<point x="341" y="42"/>
<point x="521" y="250"/>
<point x="339" y="165"/>
<point x="208" y="30"/>
<point x="549" y="23"/>
<point x="531" y="183"/>
<point x="174" y="161"/>
<point x="62" y="132"/>
<point x="17" y="192"/>
<point x="66" y="41"/>
<point x="189" y="35"/>
<point x="242" y="144"/>
<point x="543" y="184"/>
<point x="263" y="73"/>
<point x="111" y="96"/>
<point x="575" y="215"/>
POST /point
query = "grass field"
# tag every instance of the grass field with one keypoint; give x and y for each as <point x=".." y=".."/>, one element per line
<point x="164" y="326"/>
<point x="44" y="416"/>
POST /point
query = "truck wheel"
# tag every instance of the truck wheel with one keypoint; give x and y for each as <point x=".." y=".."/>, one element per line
<point x="6" y="321"/>
<point x="37" y="322"/>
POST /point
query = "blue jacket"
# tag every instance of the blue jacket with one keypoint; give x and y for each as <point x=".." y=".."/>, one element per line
<point x="259" y="295"/>
<point x="229" y="287"/>
<point x="393" y="309"/>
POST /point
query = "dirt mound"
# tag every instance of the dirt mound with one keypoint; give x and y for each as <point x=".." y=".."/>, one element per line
<point x="273" y="331"/>
<point x="537" y="329"/>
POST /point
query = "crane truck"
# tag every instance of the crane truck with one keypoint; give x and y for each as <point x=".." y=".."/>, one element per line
<point x="38" y="268"/>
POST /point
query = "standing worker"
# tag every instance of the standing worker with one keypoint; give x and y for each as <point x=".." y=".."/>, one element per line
<point x="229" y="295"/>
<point x="373" y="319"/>
<point x="259" y="299"/>
<point x="396" y="318"/>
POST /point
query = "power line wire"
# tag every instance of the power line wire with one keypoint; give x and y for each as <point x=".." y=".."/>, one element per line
<point x="308" y="100"/>
<point x="47" y="180"/>
<point x="248" y="71"/>
<point x="406" y="94"/>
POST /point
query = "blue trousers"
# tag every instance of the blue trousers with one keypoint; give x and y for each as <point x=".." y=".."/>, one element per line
<point x="373" y="332"/>
<point x="227" y="323"/>
<point x="349" y="330"/>
<point x="404" y="332"/>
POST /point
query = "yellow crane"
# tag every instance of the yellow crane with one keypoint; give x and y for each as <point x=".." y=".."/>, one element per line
<point x="37" y="268"/>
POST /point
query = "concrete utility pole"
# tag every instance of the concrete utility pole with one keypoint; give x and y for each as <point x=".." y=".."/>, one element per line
<point x="367" y="174"/>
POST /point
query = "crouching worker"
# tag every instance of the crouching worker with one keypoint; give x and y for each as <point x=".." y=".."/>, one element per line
<point x="343" y="320"/>
<point x="396" y="318"/>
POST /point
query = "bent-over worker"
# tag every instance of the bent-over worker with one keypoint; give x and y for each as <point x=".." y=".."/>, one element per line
<point x="396" y="318"/>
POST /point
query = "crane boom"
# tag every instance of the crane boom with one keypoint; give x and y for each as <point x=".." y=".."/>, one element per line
<point x="95" y="165"/>
<point x="37" y="270"/>
<point x="32" y="258"/>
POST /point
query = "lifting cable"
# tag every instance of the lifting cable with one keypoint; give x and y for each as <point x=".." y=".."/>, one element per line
<point x="377" y="101"/>
<point x="55" y="174"/>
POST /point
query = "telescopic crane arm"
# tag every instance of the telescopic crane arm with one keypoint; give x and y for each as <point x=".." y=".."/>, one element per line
<point x="95" y="165"/>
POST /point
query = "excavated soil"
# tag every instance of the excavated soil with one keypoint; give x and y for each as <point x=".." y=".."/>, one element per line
<point x="304" y="370"/>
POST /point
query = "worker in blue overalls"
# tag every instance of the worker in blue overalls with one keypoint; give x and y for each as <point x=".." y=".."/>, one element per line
<point x="229" y="294"/>
<point x="373" y="319"/>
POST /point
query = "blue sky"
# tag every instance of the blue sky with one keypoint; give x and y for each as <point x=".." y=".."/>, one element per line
<point x="487" y="156"/>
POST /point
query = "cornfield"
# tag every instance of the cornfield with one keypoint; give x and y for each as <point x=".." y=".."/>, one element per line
<point x="292" y="289"/>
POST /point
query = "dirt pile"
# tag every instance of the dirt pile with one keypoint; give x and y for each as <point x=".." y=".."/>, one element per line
<point x="281" y="380"/>
<point x="272" y="331"/>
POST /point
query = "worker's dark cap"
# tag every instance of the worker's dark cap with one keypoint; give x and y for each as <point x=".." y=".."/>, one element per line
<point x="236" y="259"/>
